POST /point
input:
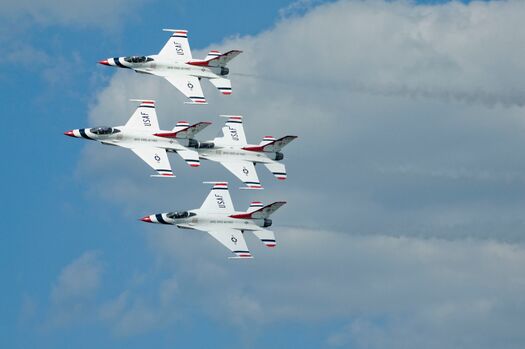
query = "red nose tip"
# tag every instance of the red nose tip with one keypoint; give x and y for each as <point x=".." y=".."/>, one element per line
<point x="146" y="219"/>
<point x="69" y="133"/>
<point x="105" y="62"/>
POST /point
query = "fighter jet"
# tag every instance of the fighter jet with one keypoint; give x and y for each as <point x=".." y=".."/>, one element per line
<point x="233" y="152"/>
<point x="175" y="63"/>
<point x="143" y="136"/>
<point x="218" y="217"/>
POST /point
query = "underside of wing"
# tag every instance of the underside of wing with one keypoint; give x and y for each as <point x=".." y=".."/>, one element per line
<point x="157" y="159"/>
<point x="233" y="240"/>
<point x="245" y="171"/>
<point x="189" y="86"/>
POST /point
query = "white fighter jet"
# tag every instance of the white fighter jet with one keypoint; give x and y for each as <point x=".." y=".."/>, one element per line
<point x="143" y="136"/>
<point x="175" y="63"/>
<point x="233" y="152"/>
<point x="218" y="217"/>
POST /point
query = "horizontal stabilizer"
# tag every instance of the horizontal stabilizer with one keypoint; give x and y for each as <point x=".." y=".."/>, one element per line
<point x="267" y="140"/>
<point x="254" y="206"/>
<point x="212" y="54"/>
<point x="263" y="212"/>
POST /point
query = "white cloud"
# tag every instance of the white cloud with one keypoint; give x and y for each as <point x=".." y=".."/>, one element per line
<point x="402" y="291"/>
<point x="134" y="312"/>
<point x="78" y="280"/>
<point x="410" y="121"/>
<point x="75" y="289"/>
<point x="372" y="89"/>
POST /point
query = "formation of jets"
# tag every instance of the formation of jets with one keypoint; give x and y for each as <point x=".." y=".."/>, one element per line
<point x="142" y="135"/>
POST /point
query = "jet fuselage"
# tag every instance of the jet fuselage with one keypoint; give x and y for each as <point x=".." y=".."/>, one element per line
<point x="159" y="66"/>
<point x="129" y="138"/>
<point x="205" y="219"/>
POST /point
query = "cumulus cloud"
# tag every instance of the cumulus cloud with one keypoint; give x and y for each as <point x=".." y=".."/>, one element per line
<point x="374" y="90"/>
<point x="401" y="291"/>
<point x="405" y="189"/>
<point x="134" y="312"/>
<point x="75" y="289"/>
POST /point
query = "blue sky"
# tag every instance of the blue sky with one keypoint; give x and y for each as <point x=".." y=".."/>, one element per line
<point x="410" y="121"/>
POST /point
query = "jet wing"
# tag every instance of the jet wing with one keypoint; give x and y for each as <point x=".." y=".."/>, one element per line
<point x="233" y="132"/>
<point x="190" y="86"/>
<point x="266" y="236"/>
<point x="278" y="169"/>
<point x="157" y="158"/>
<point x="190" y="156"/>
<point x="177" y="48"/>
<point x="144" y="117"/>
<point x="233" y="240"/>
<point x="219" y="199"/>
<point x="245" y="171"/>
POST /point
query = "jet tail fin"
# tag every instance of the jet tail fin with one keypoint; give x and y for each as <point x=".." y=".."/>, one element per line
<point x="217" y="61"/>
<point x="184" y="131"/>
<point x="272" y="146"/>
<point x="263" y="212"/>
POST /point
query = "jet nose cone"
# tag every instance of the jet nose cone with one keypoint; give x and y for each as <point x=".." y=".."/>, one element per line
<point x="69" y="133"/>
<point x="104" y="62"/>
<point x="146" y="219"/>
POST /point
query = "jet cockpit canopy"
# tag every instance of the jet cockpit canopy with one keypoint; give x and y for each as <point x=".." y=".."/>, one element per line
<point x="103" y="130"/>
<point x="180" y="214"/>
<point x="138" y="59"/>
